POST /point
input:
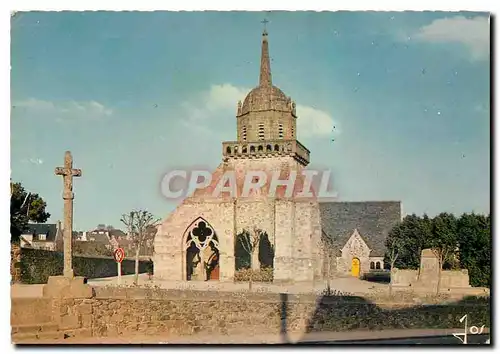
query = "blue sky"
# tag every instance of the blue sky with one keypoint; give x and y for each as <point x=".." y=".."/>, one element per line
<point x="133" y="95"/>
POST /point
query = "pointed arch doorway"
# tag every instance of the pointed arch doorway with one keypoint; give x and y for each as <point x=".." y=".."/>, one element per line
<point x="355" y="267"/>
<point x="201" y="249"/>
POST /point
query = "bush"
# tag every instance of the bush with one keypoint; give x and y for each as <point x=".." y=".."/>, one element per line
<point x="377" y="276"/>
<point x="264" y="275"/>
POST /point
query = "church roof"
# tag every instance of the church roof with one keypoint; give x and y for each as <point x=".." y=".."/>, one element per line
<point x="373" y="220"/>
<point x="266" y="96"/>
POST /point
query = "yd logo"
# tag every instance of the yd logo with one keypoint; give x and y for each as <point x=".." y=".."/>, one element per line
<point x="471" y="330"/>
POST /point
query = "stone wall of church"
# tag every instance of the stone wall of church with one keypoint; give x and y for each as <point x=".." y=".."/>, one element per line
<point x="169" y="258"/>
<point x="354" y="248"/>
<point x="292" y="226"/>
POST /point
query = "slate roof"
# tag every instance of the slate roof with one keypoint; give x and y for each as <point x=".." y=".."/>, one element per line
<point x="117" y="233"/>
<point x="100" y="238"/>
<point x="373" y="220"/>
<point x="48" y="229"/>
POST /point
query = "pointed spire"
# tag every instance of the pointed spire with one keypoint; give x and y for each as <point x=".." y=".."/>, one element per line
<point x="265" y="63"/>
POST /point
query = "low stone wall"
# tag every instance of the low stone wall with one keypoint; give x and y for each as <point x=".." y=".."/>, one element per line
<point x="449" y="279"/>
<point x="110" y="312"/>
<point x="30" y="310"/>
<point x="37" y="265"/>
<point x="122" y="311"/>
<point x="403" y="277"/>
<point x="455" y="278"/>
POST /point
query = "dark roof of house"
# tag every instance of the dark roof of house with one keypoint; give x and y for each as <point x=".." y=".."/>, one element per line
<point x="117" y="232"/>
<point x="46" y="229"/>
<point x="373" y="220"/>
<point x="101" y="238"/>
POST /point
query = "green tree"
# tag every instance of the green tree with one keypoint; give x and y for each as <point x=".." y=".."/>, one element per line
<point x="413" y="234"/>
<point x="444" y="241"/>
<point x="24" y="207"/>
<point x="250" y="242"/>
<point x="474" y="240"/>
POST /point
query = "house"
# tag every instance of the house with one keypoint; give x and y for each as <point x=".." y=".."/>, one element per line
<point x="42" y="236"/>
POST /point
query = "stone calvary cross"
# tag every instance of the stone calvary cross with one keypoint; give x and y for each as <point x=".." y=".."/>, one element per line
<point x="68" y="172"/>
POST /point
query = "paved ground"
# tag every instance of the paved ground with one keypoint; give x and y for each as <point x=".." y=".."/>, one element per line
<point x="407" y="336"/>
<point x="345" y="285"/>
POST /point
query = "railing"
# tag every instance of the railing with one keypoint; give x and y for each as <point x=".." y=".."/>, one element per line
<point x="266" y="148"/>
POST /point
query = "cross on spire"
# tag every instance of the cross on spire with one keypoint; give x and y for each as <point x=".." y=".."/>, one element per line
<point x="265" y="22"/>
<point x="265" y="65"/>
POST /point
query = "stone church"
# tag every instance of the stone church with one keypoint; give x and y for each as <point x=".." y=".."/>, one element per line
<point x="310" y="239"/>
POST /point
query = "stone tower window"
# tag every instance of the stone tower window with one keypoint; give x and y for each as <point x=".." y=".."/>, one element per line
<point x="293" y="133"/>
<point x="280" y="131"/>
<point x="244" y="133"/>
<point x="261" y="131"/>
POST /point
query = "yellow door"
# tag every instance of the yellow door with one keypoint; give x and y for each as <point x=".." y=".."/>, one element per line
<point x="355" y="267"/>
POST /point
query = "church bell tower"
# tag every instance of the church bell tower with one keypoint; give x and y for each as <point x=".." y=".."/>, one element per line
<point x="266" y="120"/>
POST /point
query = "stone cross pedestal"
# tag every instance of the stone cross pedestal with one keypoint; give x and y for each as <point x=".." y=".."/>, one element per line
<point x="68" y="172"/>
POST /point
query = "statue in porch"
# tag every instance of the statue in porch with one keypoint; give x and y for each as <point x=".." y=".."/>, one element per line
<point x="198" y="268"/>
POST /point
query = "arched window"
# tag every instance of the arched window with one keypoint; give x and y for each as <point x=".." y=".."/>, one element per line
<point x="235" y="149"/>
<point x="378" y="265"/>
<point x="228" y="150"/>
<point x="269" y="148"/>
<point x="252" y="148"/>
<point x="276" y="147"/>
<point x="261" y="148"/>
<point x="244" y="149"/>
<point x="202" y="252"/>
<point x="372" y="265"/>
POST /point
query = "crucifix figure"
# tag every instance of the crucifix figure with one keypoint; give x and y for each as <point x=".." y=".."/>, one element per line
<point x="68" y="172"/>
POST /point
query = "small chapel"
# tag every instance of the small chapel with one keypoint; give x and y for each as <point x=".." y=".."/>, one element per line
<point x="310" y="240"/>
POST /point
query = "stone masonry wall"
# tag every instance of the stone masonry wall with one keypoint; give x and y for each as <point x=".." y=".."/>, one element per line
<point x="449" y="279"/>
<point x="175" y="312"/>
<point x="126" y="311"/>
<point x="270" y="121"/>
<point x="293" y="226"/>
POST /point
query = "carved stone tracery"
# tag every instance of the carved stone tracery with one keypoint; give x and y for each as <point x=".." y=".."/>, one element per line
<point x="202" y="251"/>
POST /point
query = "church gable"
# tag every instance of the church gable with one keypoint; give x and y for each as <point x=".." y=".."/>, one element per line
<point x="356" y="246"/>
<point x="373" y="220"/>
